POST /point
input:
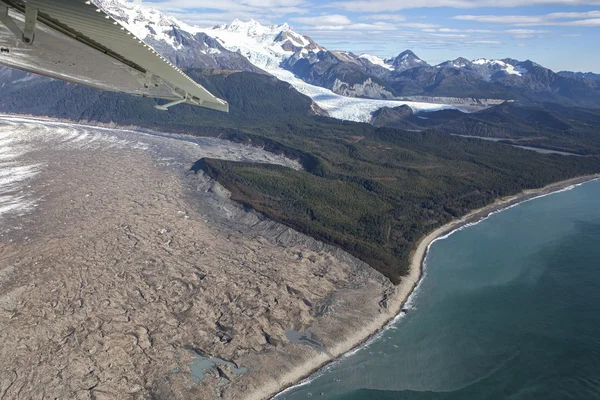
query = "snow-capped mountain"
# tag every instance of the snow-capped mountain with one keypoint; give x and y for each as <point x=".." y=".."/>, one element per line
<point x="378" y="61"/>
<point x="460" y="62"/>
<point x="184" y="45"/>
<point x="280" y="51"/>
<point x="265" y="46"/>
<point x="403" y="61"/>
<point x="406" y="60"/>
<point x="509" y="67"/>
<point x="273" y="49"/>
<point x="487" y="69"/>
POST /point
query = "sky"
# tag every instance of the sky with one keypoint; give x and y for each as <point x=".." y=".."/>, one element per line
<point x="558" y="34"/>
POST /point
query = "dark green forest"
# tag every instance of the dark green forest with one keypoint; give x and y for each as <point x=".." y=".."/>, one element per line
<point x="373" y="191"/>
<point x="376" y="195"/>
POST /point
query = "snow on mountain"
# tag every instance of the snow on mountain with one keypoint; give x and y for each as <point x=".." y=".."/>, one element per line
<point x="142" y="20"/>
<point x="487" y="68"/>
<point x="184" y="45"/>
<point x="407" y="60"/>
<point x="460" y="62"/>
<point x="508" y="68"/>
<point x="377" y="61"/>
<point x="256" y="42"/>
<point x="265" y="47"/>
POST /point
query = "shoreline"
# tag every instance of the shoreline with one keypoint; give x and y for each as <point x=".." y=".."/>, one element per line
<point x="410" y="282"/>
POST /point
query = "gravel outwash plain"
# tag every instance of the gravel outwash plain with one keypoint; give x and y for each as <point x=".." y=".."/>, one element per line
<point x="122" y="267"/>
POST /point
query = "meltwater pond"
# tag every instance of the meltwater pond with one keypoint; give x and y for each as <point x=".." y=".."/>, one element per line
<point x="509" y="308"/>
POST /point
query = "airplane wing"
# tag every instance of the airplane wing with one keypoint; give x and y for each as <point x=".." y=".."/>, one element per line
<point x="75" y="41"/>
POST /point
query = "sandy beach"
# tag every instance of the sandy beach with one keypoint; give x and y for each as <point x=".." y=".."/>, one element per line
<point x="403" y="291"/>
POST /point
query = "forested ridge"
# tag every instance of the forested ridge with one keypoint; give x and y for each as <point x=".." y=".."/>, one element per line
<point x="377" y="195"/>
<point x="372" y="191"/>
<point x="544" y="125"/>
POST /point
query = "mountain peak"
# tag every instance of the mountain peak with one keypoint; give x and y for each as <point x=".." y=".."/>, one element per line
<point x="511" y="61"/>
<point x="407" y="60"/>
<point x="252" y="22"/>
<point x="251" y="26"/>
<point x="528" y="64"/>
<point x="407" y="54"/>
<point x="137" y="18"/>
<point x="459" y="62"/>
<point x="284" y="27"/>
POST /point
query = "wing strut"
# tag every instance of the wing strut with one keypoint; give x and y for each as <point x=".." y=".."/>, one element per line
<point x="31" y="14"/>
<point x="165" y="107"/>
<point x="30" y="23"/>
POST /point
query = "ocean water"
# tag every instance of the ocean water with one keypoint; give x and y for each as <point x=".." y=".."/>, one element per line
<point x="508" y="309"/>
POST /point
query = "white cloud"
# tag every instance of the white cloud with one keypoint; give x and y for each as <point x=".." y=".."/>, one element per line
<point x="590" y="18"/>
<point x="223" y="5"/>
<point x="526" y="31"/>
<point x="519" y="20"/>
<point x="574" y="15"/>
<point x="485" y="42"/>
<point x="337" y="22"/>
<point x="449" y="35"/>
<point x="418" y="25"/>
<point x="358" y="27"/>
<point x="206" y="13"/>
<point x="270" y="3"/>
<point x="453" y="30"/>
<point x="378" y="6"/>
<point x="386" y="17"/>
<point x="582" y="22"/>
<point x="335" y="19"/>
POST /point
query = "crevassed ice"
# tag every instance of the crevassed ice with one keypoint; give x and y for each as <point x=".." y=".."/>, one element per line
<point x="349" y="108"/>
<point x="28" y="145"/>
<point x="20" y="138"/>
<point x="13" y="173"/>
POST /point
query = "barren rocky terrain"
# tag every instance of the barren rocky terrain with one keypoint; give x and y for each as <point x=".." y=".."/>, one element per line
<point x="124" y="275"/>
